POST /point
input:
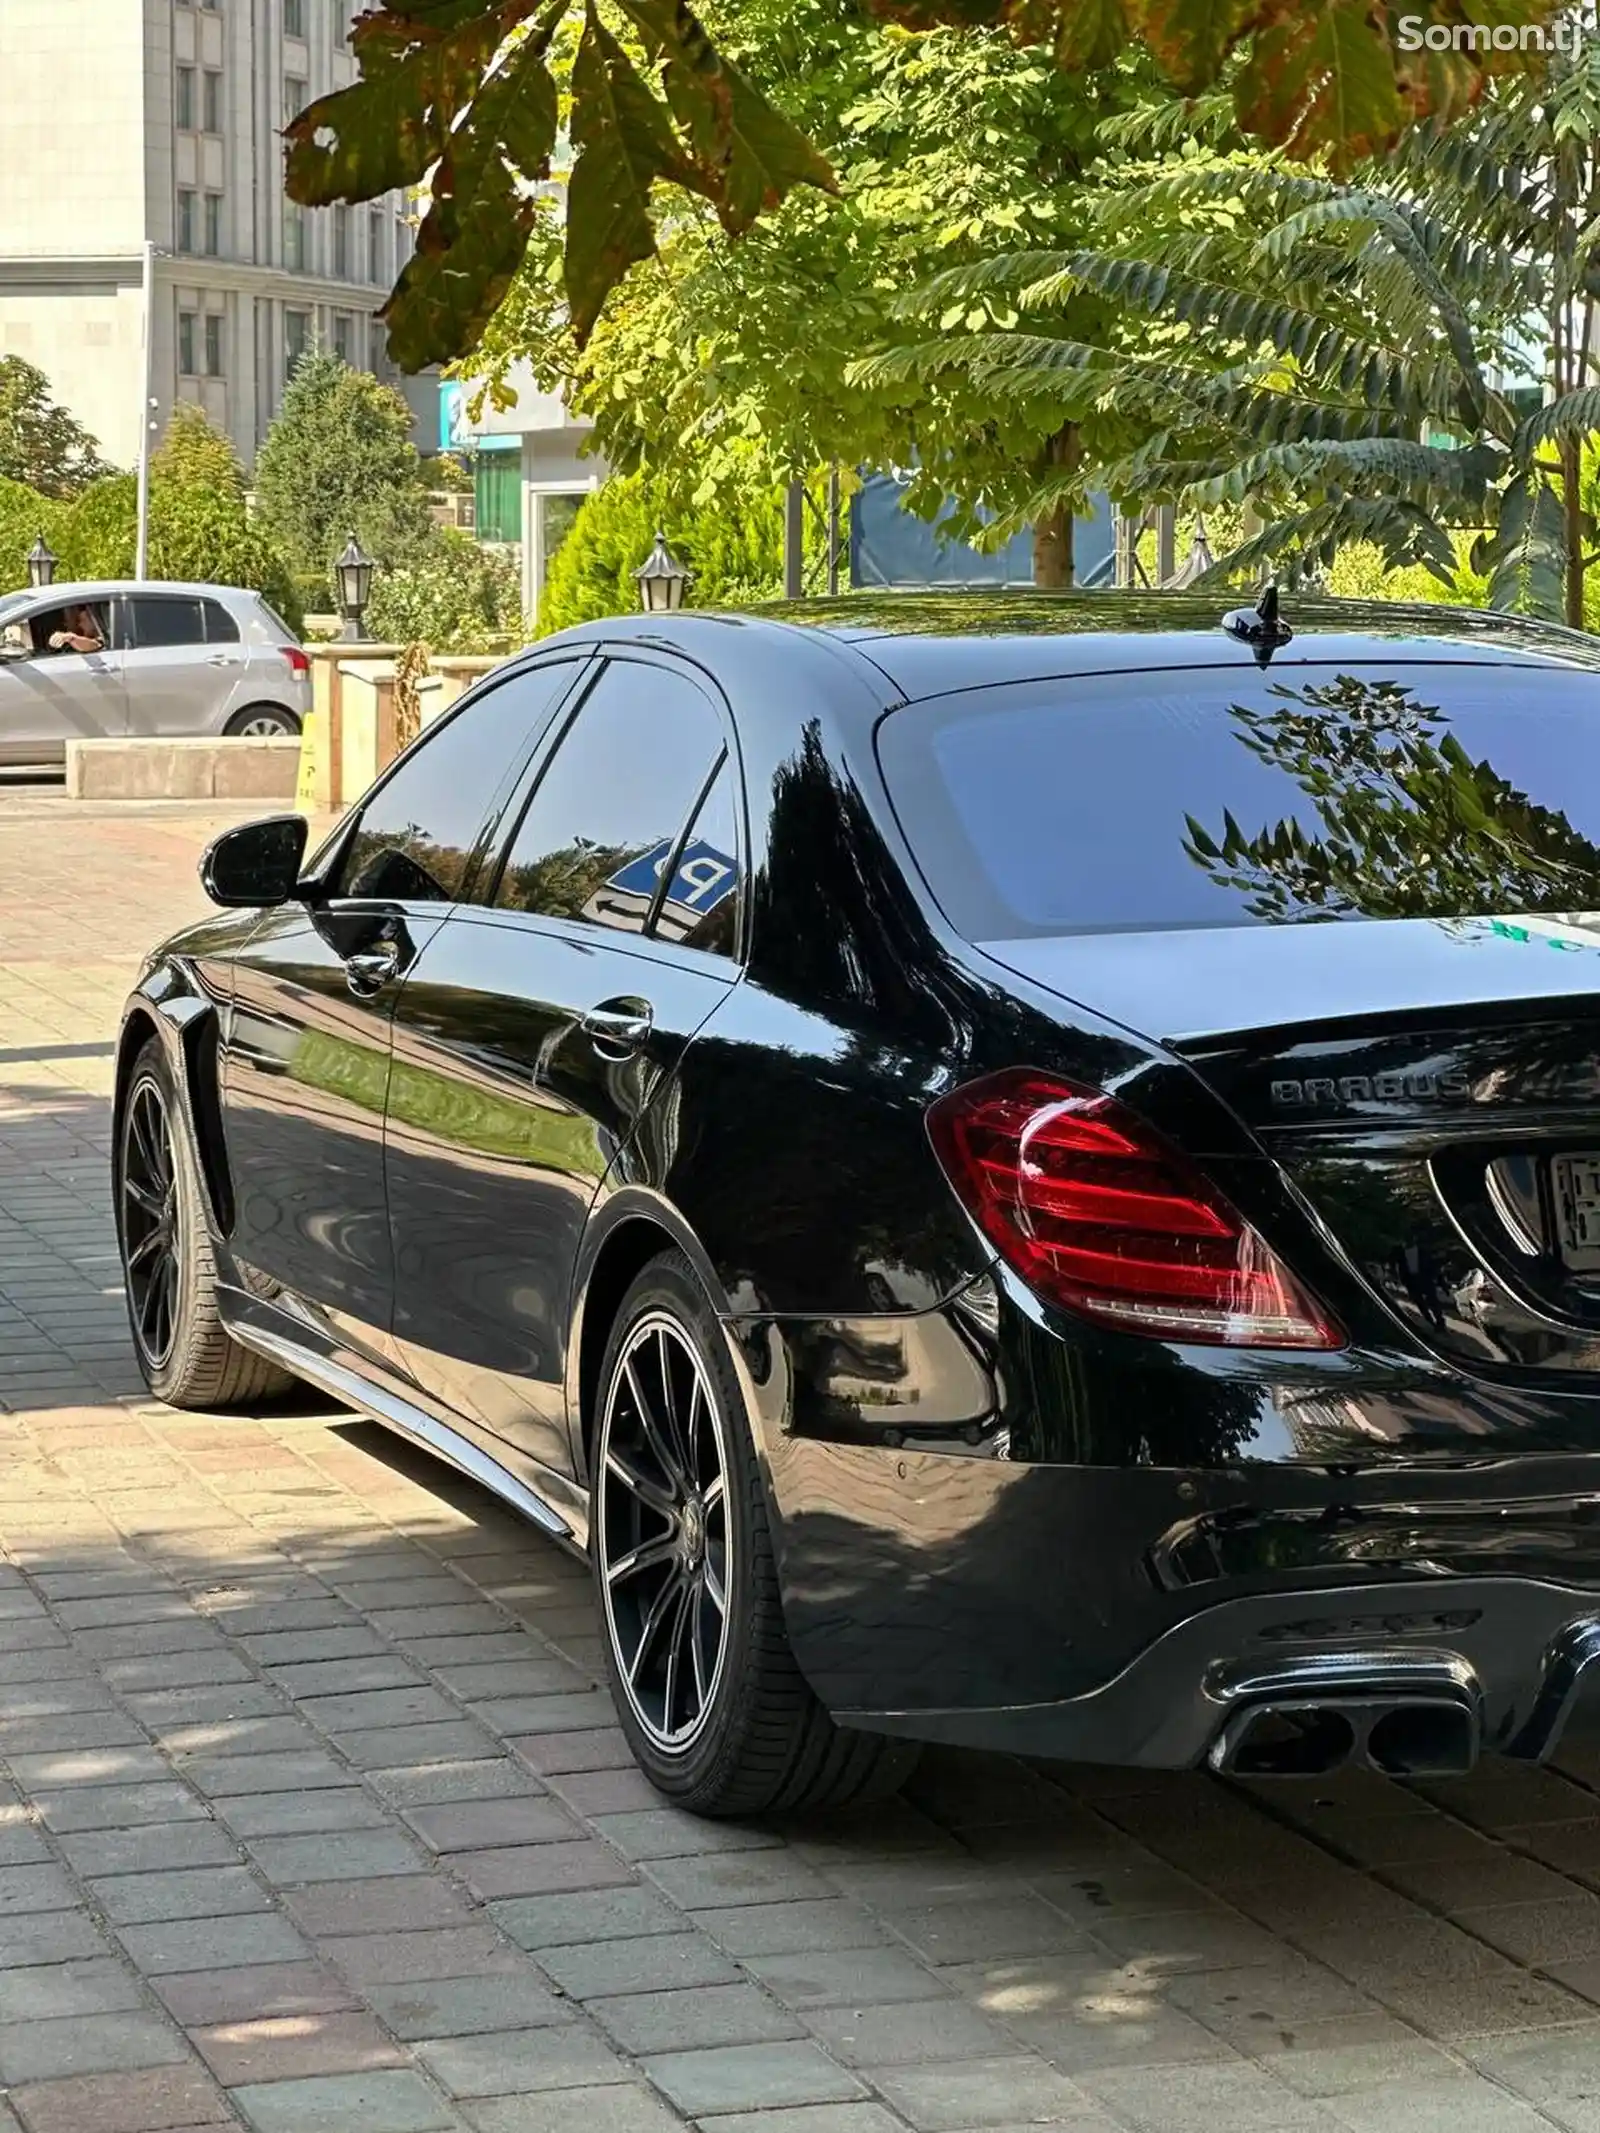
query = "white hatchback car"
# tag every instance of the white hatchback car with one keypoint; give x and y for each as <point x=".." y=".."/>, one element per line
<point x="174" y="660"/>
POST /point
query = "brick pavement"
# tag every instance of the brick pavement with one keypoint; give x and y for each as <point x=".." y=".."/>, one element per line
<point x="313" y="1818"/>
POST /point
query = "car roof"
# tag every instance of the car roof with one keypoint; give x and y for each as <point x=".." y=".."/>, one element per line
<point x="86" y="590"/>
<point x="931" y="643"/>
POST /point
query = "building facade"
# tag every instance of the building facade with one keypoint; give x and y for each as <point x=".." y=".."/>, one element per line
<point x="127" y="123"/>
<point x="533" y="466"/>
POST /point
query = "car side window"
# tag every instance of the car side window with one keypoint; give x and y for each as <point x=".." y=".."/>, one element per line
<point x="220" y="625"/>
<point x="47" y="623"/>
<point x="701" y="906"/>
<point x="159" y="621"/>
<point x="418" y="832"/>
<point x="612" y="801"/>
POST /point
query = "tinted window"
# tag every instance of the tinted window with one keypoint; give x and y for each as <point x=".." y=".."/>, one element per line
<point x="417" y="832"/>
<point x="220" y="625"/>
<point x="156" y="622"/>
<point x="701" y="905"/>
<point x="1146" y="801"/>
<point x="607" y="813"/>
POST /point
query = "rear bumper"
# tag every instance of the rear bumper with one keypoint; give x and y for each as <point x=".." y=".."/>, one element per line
<point x="996" y="1537"/>
<point x="1521" y="1659"/>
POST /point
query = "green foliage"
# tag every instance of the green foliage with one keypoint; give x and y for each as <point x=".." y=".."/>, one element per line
<point x="100" y="531"/>
<point x="473" y="98"/>
<point x="464" y="97"/>
<point x="1327" y="352"/>
<point x="455" y="597"/>
<point x="339" y="460"/>
<point x="194" y="454"/>
<point x="24" y="515"/>
<point x="41" y="445"/>
<point x="200" y="530"/>
<point x="947" y="144"/>
<point x="735" y="550"/>
<point x="1360" y="573"/>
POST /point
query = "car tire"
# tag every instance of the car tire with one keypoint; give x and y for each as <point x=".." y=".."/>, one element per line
<point x="713" y="1704"/>
<point x="185" y="1353"/>
<point x="262" y="721"/>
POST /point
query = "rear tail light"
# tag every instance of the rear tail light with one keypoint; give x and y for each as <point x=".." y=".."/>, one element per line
<point x="1097" y="1213"/>
<point x="296" y="661"/>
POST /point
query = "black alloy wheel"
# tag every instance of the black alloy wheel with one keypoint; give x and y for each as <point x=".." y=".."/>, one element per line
<point x="185" y="1352"/>
<point x="716" y="1711"/>
<point x="662" y="1539"/>
<point x="152" y="1229"/>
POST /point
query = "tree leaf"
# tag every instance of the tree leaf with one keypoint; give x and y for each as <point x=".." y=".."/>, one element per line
<point x="466" y="259"/>
<point x="420" y="68"/>
<point x="769" y="156"/>
<point x="624" y="141"/>
<point x="1192" y="38"/>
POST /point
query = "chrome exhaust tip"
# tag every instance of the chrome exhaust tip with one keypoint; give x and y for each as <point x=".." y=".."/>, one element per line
<point x="1432" y="1736"/>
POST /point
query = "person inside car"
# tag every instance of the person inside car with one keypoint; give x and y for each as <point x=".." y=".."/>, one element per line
<point x="79" y="632"/>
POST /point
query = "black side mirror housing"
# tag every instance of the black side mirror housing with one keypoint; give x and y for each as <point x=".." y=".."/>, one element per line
<point x="256" y="864"/>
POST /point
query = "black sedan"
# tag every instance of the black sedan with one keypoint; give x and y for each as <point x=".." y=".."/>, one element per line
<point x="1015" y="1172"/>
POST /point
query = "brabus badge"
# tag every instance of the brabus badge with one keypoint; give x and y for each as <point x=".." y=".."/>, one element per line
<point x="1451" y="1086"/>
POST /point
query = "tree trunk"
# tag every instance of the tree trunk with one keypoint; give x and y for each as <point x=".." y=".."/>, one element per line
<point x="1052" y="532"/>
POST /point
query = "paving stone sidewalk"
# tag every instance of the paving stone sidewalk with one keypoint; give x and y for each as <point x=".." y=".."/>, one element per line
<point x="313" y="1817"/>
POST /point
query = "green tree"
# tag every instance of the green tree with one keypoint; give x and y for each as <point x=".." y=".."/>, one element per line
<point x="24" y="516"/>
<point x="339" y="460"/>
<point x="947" y="144"/>
<point x="41" y="444"/>
<point x="473" y="99"/>
<point x="457" y="596"/>
<point x="734" y="549"/>
<point x="195" y="454"/>
<point x="1332" y="352"/>
<point x="200" y="528"/>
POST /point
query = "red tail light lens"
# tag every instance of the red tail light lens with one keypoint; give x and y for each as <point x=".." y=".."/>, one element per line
<point x="296" y="661"/>
<point x="1097" y="1213"/>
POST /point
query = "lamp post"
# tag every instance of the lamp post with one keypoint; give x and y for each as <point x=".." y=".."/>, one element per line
<point x="354" y="571"/>
<point x="661" y="579"/>
<point x="41" y="564"/>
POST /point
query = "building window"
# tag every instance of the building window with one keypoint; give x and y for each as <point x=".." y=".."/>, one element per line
<point x="214" y="365"/>
<point x="294" y="238"/>
<point x="342" y="19"/>
<point x="294" y="18"/>
<point x="343" y="335"/>
<point x="213" y="225"/>
<point x="213" y="103"/>
<point x="295" y="94"/>
<point x="375" y="268"/>
<point x="183" y="100"/>
<point x="186" y="361"/>
<point x="185" y="221"/>
<point x="341" y="243"/>
<point x="296" y="338"/>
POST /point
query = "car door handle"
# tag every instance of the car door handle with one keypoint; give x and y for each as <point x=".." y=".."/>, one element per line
<point x="222" y="659"/>
<point x="369" y="972"/>
<point x="617" y="1028"/>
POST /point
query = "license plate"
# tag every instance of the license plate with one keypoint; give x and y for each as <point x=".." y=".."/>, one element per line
<point x="1575" y="1189"/>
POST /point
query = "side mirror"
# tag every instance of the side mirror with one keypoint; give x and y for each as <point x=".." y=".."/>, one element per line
<point x="256" y="864"/>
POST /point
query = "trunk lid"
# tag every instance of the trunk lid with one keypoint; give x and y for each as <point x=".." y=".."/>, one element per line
<point x="1431" y="1087"/>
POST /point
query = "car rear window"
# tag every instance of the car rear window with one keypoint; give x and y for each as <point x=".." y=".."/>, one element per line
<point x="1143" y="802"/>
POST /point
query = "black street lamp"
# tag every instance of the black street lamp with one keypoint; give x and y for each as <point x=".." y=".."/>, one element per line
<point x="41" y="564"/>
<point x="661" y="579"/>
<point x="354" y="571"/>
